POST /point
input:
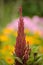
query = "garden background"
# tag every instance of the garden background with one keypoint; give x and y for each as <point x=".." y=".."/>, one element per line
<point x="32" y="11"/>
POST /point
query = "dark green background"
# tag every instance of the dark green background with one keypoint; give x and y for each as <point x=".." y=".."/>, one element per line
<point x="30" y="7"/>
<point x="9" y="11"/>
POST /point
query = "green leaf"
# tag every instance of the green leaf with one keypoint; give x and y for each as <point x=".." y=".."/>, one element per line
<point x="30" y="60"/>
<point x="19" y="60"/>
<point x="3" y="62"/>
<point x="36" y="62"/>
<point x="34" y="48"/>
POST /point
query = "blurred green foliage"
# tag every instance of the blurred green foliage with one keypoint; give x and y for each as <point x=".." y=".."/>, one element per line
<point x="33" y="7"/>
<point x="9" y="9"/>
<point x="30" y="7"/>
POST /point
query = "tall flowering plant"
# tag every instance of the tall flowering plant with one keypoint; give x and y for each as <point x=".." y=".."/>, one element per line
<point x="22" y="51"/>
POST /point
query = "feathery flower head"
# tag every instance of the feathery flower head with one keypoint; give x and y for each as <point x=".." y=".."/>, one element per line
<point x="21" y="50"/>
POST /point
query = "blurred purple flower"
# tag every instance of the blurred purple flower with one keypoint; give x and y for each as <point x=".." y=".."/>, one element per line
<point x="33" y="24"/>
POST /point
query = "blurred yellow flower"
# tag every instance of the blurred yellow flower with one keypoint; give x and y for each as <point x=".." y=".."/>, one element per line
<point x="12" y="50"/>
<point x="7" y="31"/>
<point x="29" y="39"/>
<point x="9" y="60"/>
<point x="4" y="38"/>
<point x="4" y="49"/>
<point x="26" y="30"/>
<point x="8" y="49"/>
<point x="41" y="49"/>
<point x="15" y="33"/>
<point x="32" y="40"/>
<point x="36" y="41"/>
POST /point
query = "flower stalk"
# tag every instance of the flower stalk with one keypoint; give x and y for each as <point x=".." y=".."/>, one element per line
<point x="21" y="49"/>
